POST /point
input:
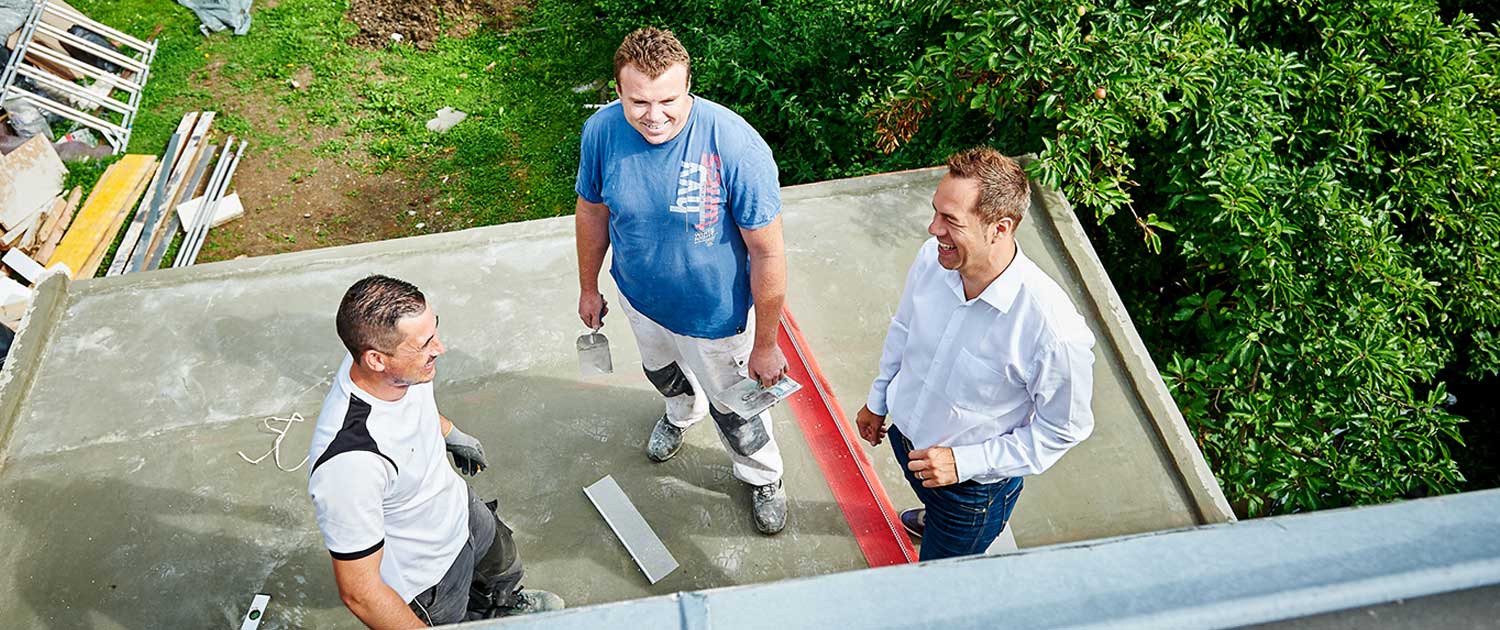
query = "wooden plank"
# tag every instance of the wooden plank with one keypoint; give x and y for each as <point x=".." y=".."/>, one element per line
<point x="49" y="222"/>
<point x="92" y="267"/>
<point x="193" y="183"/>
<point x="156" y="231"/>
<point x="151" y="199"/>
<point x="15" y="236"/>
<point x="28" y="240"/>
<point x="54" y="233"/>
<point x="30" y="177"/>
<point x="99" y="212"/>
<point x="189" y="250"/>
<point x="229" y="209"/>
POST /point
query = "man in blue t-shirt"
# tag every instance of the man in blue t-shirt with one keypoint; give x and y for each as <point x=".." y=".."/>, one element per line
<point x="686" y="192"/>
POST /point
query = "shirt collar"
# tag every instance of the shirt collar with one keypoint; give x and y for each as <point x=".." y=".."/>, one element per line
<point x="1002" y="292"/>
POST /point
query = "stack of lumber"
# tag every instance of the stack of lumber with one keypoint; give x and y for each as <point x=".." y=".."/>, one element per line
<point x="83" y="247"/>
<point x="34" y="213"/>
<point x="43" y="228"/>
<point x="31" y="177"/>
<point x="174" y="200"/>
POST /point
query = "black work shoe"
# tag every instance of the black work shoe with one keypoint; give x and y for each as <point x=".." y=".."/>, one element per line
<point x="914" y="520"/>
<point x="768" y="504"/>
<point x="665" y="440"/>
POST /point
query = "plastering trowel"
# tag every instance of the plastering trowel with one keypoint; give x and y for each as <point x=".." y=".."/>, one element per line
<point x="747" y="398"/>
<point x="593" y="354"/>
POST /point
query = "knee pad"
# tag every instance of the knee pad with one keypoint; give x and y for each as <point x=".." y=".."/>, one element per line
<point x="745" y="435"/>
<point x="670" y="381"/>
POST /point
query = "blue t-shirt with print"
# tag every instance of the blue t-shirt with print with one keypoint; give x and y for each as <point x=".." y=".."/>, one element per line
<point x="675" y="210"/>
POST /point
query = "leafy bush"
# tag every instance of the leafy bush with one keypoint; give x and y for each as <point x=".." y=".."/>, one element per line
<point x="1319" y="179"/>
<point x="805" y="73"/>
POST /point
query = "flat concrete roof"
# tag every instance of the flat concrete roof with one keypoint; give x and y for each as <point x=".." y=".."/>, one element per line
<point x="123" y="502"/>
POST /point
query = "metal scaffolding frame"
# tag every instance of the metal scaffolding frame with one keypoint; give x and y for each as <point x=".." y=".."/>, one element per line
<point x="32" y="54"/>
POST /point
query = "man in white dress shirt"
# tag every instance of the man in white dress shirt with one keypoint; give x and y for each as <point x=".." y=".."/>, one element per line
<point x="987" y="370"/>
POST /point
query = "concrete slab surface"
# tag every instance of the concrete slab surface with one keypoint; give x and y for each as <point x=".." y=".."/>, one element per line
<point x="124" y="503"/>
<point x="850" y="244"/>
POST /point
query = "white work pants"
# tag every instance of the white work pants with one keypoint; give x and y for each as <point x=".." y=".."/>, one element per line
<point x="711" y="365"/>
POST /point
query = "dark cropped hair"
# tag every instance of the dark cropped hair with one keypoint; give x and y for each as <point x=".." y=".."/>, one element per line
<point x="369" y="312"/>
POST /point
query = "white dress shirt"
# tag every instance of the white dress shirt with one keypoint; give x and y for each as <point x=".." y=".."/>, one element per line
<point x="1004" y="379"/>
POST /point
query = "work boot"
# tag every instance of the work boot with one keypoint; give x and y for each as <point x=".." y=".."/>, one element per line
<point x="914" y="520"/>
<point x="665" y="440"/>
<point x="768" y="504"/>
<point x="529" y="600"/>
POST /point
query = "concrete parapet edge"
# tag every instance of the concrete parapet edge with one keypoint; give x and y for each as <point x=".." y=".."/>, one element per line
<point x="334" y="257"/>
<point x="46" y="309"/>
<point x="1197" y="478"/>
<point x="1225" y="575"/>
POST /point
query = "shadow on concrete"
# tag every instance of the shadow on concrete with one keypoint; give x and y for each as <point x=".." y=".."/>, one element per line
<point x="550" y="437"/>
<point x="101" y="551"/>
<point x="109" y="553"/>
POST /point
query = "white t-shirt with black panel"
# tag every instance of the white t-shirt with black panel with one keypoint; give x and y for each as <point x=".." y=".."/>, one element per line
<point x="381" y="480"/>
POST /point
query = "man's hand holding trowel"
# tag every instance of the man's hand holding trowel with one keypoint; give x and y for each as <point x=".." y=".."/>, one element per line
<point x="593" y="348"/>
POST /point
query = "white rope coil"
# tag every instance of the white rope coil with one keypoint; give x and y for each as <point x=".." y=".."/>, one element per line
<point x="276" y="446"/>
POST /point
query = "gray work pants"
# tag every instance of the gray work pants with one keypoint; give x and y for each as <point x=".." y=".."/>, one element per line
<point x="486" y="573"/>
<point x="710" y="366"/>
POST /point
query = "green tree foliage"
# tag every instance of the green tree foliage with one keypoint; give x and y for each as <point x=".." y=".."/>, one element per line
<point x="1298" y="198"/>
<point x="805" y="73"/>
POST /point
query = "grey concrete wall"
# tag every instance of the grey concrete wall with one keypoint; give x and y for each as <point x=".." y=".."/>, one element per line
<point x="25" y="354"/>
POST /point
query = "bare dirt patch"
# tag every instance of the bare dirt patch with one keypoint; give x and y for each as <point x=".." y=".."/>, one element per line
<point x="420" y="22"/>
<point x="313" y="189"/>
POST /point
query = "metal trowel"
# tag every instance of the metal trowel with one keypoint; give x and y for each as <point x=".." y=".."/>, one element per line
<point x="747" y="398"/>
<point x="593" y="354"/>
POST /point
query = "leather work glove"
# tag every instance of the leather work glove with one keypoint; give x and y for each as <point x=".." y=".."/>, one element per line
<point x="468" y="453"/>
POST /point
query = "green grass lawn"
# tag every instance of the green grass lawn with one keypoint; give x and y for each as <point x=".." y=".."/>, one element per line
<point x="513" y="159"/>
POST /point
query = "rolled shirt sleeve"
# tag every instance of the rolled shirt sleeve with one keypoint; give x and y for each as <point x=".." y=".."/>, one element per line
<point x="1061" y="387"/>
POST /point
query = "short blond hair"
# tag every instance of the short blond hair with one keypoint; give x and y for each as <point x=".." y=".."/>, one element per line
<point x="1003" y="191"/>
<point x="652" y="51"/>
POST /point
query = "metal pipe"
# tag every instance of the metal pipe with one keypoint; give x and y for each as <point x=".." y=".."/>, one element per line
<point x="204" y="220"/>
<point x="213" y="184"/>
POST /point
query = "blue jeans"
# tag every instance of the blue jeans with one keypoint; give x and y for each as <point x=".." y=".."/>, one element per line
<point x="962" y="519"/>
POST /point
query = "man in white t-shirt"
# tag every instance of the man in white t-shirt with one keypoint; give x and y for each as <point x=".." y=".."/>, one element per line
<point x="412" y="544"/>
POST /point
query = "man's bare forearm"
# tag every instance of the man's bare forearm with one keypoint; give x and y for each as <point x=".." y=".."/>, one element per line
<point x="767" y="280"/>
<point x="384" y="610"/>
<point x="368" y="597"/>
<point x="591" y="224"/>
<point x="768" y="303"/>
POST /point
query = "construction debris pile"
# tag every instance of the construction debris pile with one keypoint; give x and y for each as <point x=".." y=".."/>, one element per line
<point x="63" y="69"/>
<point x="45" y="229"/>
